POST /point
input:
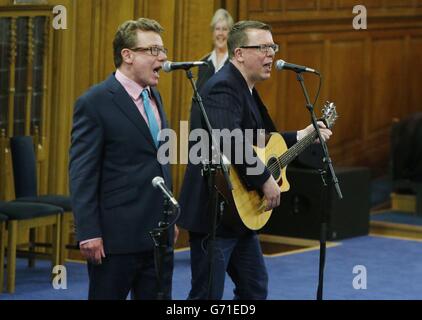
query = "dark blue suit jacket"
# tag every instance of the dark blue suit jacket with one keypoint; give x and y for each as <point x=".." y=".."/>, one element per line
<point x="206" y="72"/>
<point x="229" y="104"/>
<point x="112" y="162"/>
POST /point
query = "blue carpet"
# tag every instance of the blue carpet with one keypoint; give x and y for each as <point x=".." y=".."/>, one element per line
<point x="393" y="272"/>
<point x="398" y="217"/>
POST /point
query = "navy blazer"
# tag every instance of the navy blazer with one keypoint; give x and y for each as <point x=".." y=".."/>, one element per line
<point x="206" y="72"/>
<point x="229" y="104"/>
<point x="112" y="161"/>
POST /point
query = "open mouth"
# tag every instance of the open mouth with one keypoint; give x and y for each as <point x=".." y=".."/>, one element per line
<point x="268" y="66"/>
<point x="156" y="70"/>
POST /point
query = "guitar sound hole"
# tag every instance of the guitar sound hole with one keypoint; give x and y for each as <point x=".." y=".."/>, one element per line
<point x="274" y="167"/>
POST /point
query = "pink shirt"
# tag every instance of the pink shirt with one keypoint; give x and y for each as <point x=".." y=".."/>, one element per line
<point x="134" y="91"/>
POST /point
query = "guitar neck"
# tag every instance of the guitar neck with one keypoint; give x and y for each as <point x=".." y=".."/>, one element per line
<point x="297" y="149"/>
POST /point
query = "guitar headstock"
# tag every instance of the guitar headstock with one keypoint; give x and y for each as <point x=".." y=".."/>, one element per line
<point x="329" y="114"/>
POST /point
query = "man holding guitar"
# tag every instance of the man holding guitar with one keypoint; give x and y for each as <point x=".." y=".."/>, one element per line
<point x="232" y="102"/>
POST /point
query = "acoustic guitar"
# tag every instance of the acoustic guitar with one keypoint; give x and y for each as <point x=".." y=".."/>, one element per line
<point x="250" y="205"/>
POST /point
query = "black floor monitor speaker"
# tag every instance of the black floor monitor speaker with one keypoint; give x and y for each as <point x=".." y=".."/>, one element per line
<point x="299" y="213"/>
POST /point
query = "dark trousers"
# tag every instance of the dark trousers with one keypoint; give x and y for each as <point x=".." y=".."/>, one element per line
<point x="241" y="257"/>
<point x="120" y="274"/>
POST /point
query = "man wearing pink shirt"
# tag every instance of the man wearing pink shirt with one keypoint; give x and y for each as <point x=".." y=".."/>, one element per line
<point x="113" y="158"/>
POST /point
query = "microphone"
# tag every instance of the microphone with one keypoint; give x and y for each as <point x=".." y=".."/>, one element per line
<point x="158" y="182"/>
<point x="281" y="64"/>
<point x="170" y="66"/>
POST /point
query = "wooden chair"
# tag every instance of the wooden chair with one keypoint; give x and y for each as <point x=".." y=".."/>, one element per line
<point x="25" y="178"/>
<point x="22" y="217"/>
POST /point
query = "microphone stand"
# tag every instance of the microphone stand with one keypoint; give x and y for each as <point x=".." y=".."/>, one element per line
<point x="210" y="168"/>
<point x="160" y="238"/>
<point x="329" y="178"/>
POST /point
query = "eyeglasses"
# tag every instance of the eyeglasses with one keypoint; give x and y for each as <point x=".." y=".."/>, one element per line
<point x="155" y="51"/>
<point x="264" y="48"/>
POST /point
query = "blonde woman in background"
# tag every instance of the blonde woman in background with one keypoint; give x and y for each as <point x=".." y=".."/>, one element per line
<point x="221" y="24"/>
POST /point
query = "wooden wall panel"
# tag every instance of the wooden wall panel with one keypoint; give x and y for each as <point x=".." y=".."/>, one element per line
<point x="256" y="5"/>
<point x="344" y="78"/>
<point x="62" y="100"/>
<point x="326" y="4"/>
<point x="397" y="3"/>
<point x="300" y="5"/>
<point x="347" y="4"/>
<point x="86" y="49"/>
<point x="322" y="10"/>
<point x="415" y="73"/>
<point x="386" y="83"/>
<point x="296" y="115"/>
<point x="274" y="5"/>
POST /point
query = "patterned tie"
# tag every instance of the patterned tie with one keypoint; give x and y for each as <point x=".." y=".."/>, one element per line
<point x="153" y="125"/>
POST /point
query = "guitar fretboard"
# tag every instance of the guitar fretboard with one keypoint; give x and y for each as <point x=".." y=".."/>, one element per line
<point x="294" y="151"/>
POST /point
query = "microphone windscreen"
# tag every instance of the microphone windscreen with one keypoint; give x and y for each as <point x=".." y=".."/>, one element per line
<point x="167" y="66"/>
<point x="156" y="181"/>
<point x="279" y="64"/>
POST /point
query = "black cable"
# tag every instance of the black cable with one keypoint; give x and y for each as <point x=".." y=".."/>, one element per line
<point x="319" y="88"/>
